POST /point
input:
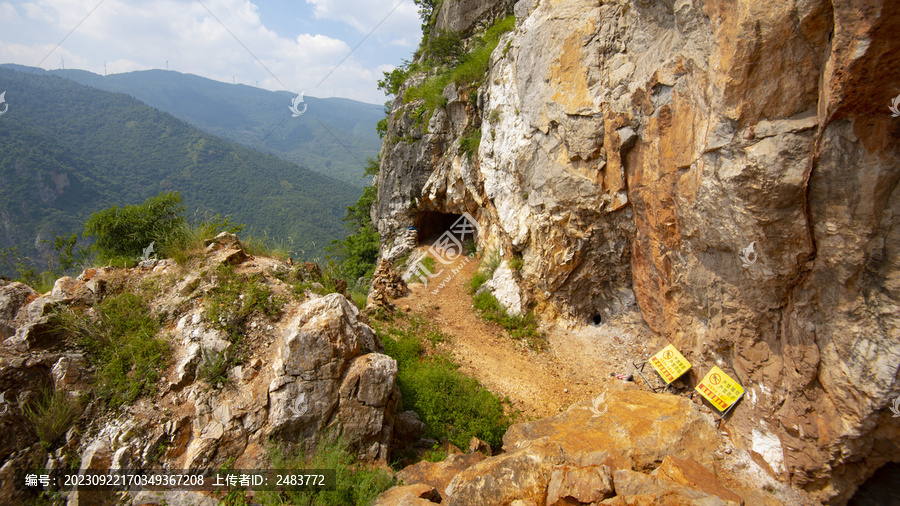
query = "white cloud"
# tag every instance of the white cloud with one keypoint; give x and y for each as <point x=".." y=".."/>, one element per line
<point x="140" y="34"/>
<point x="364" y="16"/>
<point x="8" y="11"/>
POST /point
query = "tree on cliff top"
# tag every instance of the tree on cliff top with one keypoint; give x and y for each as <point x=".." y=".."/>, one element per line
<point x="126" y="231"/>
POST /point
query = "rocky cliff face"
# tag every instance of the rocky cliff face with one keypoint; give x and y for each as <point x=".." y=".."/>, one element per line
<point x="731" y="166"/>
<point x="308" y="369"/>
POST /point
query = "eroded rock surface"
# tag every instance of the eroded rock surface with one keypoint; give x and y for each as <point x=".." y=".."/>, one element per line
<point x="734" y="166"/>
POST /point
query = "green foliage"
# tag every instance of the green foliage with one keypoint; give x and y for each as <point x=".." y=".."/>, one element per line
<point x="428" y="9"/>
<point x="68" y="253"/>
<point x="356" y="483"/>
<point x="451" y="404"/>
<point x="466" y="69"/>
<point x="485" y="271"/>
<point x="519" y="326"/>
<point x="428" y="263"/>
<point x="330" y="138"/>
<point x="229" y="306"/>
<point x="188" y="242"/>
<point x="236" y="297"/>
<point x="121" y="344"/>
<point x="516" y="263"/>
<point x="51" y="414"/>
<point x="381" y="127"/>
<point x="437" y="454"/>
<point x="214" y="366"/>
<point x="25" y="270"/>
<point x="469" y="143"/>
<point x="469" y="247"/>
<point x="393" y="79"/>
<point x="445" y="46"/>
<point x="359" y="249"/>
<point x="125" y="232"/>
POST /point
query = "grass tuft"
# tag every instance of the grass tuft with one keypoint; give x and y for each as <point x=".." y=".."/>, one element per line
<point x="356" y="482"/>
<point x="522" y="326"/>
<point x="52" y="414"/>
<point x="120" y="338"/>
<point x="452" y="405"/>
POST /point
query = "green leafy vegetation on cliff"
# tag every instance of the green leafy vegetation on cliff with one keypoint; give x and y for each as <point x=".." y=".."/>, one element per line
<point x="452" y="405"/>
<point x="359" y="249"/>
<point x="121" y="341"/>
<point x="124" y="232"/>
<point x="461" y="68"/>
<point x="356" y="483"/>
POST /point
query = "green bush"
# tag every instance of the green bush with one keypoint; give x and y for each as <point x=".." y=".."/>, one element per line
<point x="236" y="297"/>
<point x="122" y="346"/>
<point x="468" y="144"/>
<point x="360" y="249"/>
<point x="445" y="46"/>
<point x="451" y="404"/>
<point x="485" y="271"/>
<point x="519" y="326"/>
<point x="356" y="483"/>
<point x="470" y="69"/>
<point x="51" y="414"/>
<point x="125" y="232"/>
<point x="393" y="79"/>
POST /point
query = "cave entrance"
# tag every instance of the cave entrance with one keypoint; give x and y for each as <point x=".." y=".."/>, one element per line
<point x="431" y="225"/>
<point x="880" y="488"/>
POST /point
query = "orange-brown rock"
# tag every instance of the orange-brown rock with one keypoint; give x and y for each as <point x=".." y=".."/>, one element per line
<point x="691" y="474"/>
<point x="418" y="494"/>
<point x="630" y="428"/>
<point x="730" y="167"/>
<point x="438" y="474"/>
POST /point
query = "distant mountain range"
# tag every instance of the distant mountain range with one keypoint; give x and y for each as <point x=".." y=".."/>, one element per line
<point x="67" y="150"/>
<point x="334" y="136"/>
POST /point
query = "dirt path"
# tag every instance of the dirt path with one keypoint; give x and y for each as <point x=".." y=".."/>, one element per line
<point x="575" y="366"/>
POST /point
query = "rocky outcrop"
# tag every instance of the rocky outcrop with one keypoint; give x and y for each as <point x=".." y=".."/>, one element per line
<point x="732" y="167"/>
<point x="626" y="447"/>
<point x="308" y="371"/>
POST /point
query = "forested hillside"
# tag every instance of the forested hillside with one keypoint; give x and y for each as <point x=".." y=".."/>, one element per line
<point x="67" y="150"/>
<point x="333" y="136"/>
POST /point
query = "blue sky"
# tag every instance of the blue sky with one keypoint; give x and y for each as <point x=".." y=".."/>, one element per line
<point x="299" y="43"/>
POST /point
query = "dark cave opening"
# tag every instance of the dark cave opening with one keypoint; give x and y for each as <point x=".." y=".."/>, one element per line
<point x="432" y="224"/>
<point x="881" y="488"/>
<point x="597" y="319"/>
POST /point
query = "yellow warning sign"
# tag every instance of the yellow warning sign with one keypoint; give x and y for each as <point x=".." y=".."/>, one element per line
<point x="670" y="364"/>
<point x="719" y="389"/>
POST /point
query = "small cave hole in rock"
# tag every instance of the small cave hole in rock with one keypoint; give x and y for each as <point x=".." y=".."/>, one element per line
<point x="597" y="319"/>
<point x="881" y="488"/>
<point x="431" y="225"/>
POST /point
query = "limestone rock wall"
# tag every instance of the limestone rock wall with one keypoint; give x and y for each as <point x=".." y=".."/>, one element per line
<point x="731" y="165"/>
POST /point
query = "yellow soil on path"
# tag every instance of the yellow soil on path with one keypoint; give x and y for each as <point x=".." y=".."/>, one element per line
<point x="575" y="367"/>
